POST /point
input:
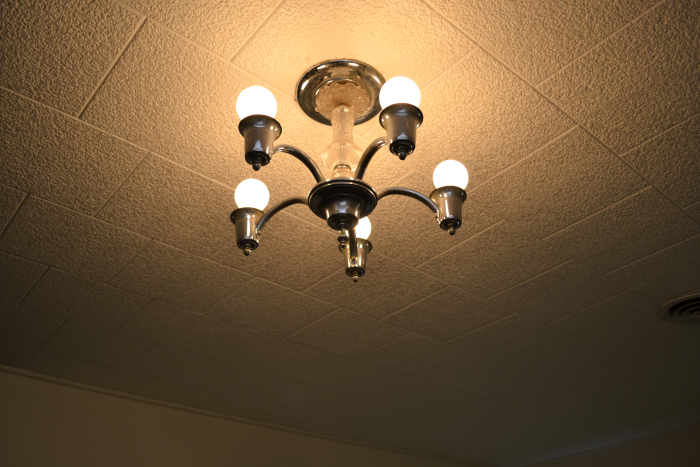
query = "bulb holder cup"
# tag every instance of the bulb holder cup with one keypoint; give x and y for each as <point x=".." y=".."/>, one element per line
<point x="401" y="122"/>
<point x="259" y="133"/>
<point x="342" y="202"/>
<point x="245" y="220"/>
<point x="449" y="200"/>
<point x="355" y="265"/>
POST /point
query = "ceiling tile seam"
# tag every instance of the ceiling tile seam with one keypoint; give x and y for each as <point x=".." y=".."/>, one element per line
<point x="172" y="31"/>
<point x="414" y="268"/>
<point x="121" y="184"/>
<point x="150" y="240"/>
<point x="651" y="254"/>
<point x="444" y="252"/>
<point x="151" y="300"/>
<point x="601" y="42"/>
<point x="422" y="371"/>
<point x="260" y="25"/>
<point x="525" y="158"/>
<point x="605" y="208"/>
<point x="129" y="396"/>
<point x="41" y="276"/>
<point x="411" y="304"/>
<point x="111" y="67"/>
<point x="14" y="213"/>
<point x="75" y="119"/>
<point x="464" y="58"/>
<point x="548" y="100"/>
<point x="336" y="271"/>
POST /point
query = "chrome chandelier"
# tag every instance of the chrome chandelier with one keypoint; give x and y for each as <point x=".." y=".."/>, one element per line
<point x="341" y="93"/>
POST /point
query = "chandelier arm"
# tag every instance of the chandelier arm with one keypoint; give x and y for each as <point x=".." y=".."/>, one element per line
<point x="303" y="157"/>
<point x="411" y="194"/>
<point x="277" y="208"/>
<point x="371" y="150"/>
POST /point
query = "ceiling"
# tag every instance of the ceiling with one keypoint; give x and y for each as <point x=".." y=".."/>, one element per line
<point x="530" y="335"/>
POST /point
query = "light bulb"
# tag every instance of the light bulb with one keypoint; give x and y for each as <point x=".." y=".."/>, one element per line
<point x="256" y="100"/>
<point x="363" y="228"/>
<point x="252" y="193"/>
<point x="450" y="173"/>
<point x="399" y="90"/>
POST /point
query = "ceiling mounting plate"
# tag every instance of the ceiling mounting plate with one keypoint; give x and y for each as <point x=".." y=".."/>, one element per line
<point x="340" y="82"/>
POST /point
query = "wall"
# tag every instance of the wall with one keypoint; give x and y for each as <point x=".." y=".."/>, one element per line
<point x="48" y="424"/>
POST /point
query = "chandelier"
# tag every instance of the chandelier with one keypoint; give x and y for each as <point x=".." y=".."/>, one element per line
<point x="341" y="93"/>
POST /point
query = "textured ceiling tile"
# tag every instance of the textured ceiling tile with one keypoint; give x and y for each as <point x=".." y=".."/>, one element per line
<point x="625" y="232"/>
<point x="108" y="377"/>
<point x="694" y="211"/>
<point x="398" y="221"/>
<point x="257" y="350"/>
<point x="447" y="314"/>
<point x="295" y="40"/>
<point x="537" y="39"/>
<point x="347" y="333"/>
<point x="95" y="345"/>
<point x="26" y="327"/>
<point x="325" y="369"/>
<point x="637" y="83"/>
<point x="494" y="260"/>
<point x="361" y="410"/>
<point x="17" y="277"/>
<point x="58" y="158"/>
<point x="665" y="275"/>
<point x="556" y="401"/>
<point x="384" y="385"/>
<point x="44" y="232"/>
<point x="517" y="385"/>
<point x="556" y="357"/>
<point x="247" y="382"/>
<point x="507" y="337"/>
<point x="651" y="341"/>
<point x="179" y="101"/>
<point x="482" y="410"/>
<point x="177" y="393"/>
<point x="177" y="365"/>
<point x="437" y="399"/>
<point x="243" y="407"/>
<point x="558" y="292"/>
<point x="270" y="308"/>
<point x="590" y="376"/>
<point x="296" y="419"/>
<point x="291" y="252"/>
<point x="221" y="27"/>
<point x="177" y="277"/>
<point x="610" y="318"/>
<point x="388" y="286"/>
<point x="71" y="297"/>
<point x="412" y="354"/>
<point x="562" y="183"/>
<point x="33" y="359"/>
<point x="671" y="162"/>
<point x="10" y="200"/>
<point x="57" y="52"/>
<point x="176" y="327"/>
<point x="304" y="396"/>
<point x="481" y="114"/>
<point x="468" y="371"/>
<point x="173" y="205"/>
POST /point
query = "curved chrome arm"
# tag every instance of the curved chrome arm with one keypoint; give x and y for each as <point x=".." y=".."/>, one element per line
<point x="371" y="150"/>
<point x="303" y="157"/>
<point x="411" y="194"/>
<point x="277" y="208"/>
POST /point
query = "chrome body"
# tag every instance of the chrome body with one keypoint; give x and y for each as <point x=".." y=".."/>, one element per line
<point x="401" y="122"/>
<point x="259" y="134"/>
<point x="245" y="220"/>
<point x="449" y="200"/>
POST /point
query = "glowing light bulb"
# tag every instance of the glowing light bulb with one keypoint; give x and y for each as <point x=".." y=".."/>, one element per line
<point x="252" y="193"/>
<point x="450" y="173"/>
<point x="399" y="90"/>
<point x="363" y="228"/>
<point x="256" y="100"/>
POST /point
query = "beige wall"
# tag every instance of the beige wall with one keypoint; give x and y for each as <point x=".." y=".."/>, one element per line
<point x="49" y="424"/>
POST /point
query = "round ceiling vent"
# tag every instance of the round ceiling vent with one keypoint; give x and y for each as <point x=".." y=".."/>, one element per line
<point x="682" y="310"/>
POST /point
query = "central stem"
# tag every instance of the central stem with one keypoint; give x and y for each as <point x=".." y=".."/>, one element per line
<point x="342" y="155"/>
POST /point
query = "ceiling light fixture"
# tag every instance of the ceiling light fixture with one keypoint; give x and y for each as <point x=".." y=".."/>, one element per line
<point x="341" y="93"/>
